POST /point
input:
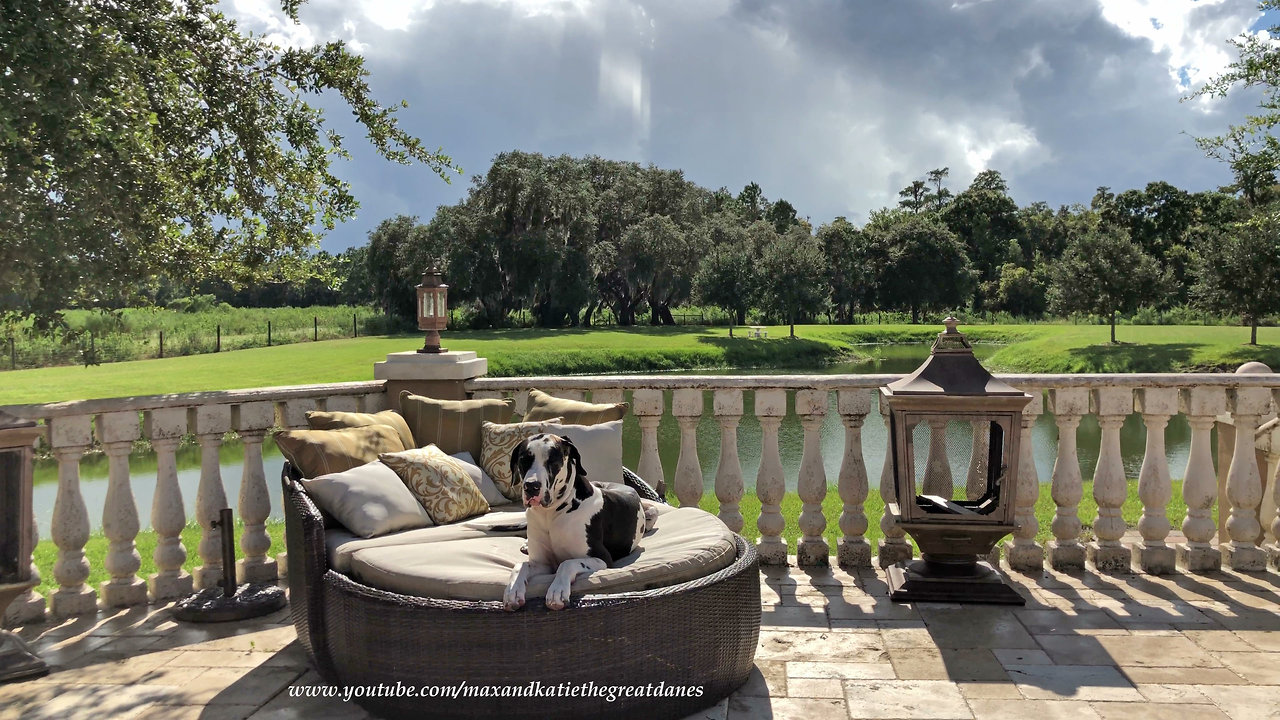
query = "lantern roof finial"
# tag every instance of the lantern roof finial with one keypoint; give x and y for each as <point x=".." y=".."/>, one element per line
<point x="951" y="369"/>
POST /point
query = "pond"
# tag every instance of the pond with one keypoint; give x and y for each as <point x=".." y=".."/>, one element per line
<point x="889" y="359"/>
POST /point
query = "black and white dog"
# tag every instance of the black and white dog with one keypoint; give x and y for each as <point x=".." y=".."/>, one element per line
<point x="575" y="526"/>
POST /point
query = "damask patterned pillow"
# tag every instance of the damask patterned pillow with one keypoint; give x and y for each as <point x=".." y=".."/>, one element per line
<point x="496" y="443"/>
<point x="439" y="482"/>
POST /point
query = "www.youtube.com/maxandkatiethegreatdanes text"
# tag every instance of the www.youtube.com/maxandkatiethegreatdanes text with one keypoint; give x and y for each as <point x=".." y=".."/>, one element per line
<point x="532" y="689"/>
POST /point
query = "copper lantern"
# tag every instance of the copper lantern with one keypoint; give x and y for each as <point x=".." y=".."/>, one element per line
<point x="954" y="431"/>
<point x="433" y="309"/>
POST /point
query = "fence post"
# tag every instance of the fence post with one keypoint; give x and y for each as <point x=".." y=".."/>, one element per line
<point x="218" y="346"/>
<point x="162" y="344"/>
<point x="315" y="328"/>
<point x="13" y="355"/>
<point x="354" y="331"/>
<point x="268" y="333"/>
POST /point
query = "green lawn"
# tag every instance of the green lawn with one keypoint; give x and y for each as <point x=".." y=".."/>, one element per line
<point x="1028" y="348"/>
<point x="95" y="550"/>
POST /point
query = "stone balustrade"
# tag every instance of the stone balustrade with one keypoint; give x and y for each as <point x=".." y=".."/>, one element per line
<point x="1241" y="406"/>
<point x="114" y="425"/>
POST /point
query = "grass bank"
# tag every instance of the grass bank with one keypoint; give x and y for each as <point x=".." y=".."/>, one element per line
<point x="1026" y="348"/>
<point x="96" y="549"/>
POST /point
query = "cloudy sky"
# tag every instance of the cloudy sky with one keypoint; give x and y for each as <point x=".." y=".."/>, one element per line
<point x="832" y="105"/>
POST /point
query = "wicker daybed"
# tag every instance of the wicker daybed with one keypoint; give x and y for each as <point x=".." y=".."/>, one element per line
<point x="702" y="633"/>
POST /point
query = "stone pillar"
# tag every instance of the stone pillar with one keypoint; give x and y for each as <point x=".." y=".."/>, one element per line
<point x="1155" y="487"/>
<point x="853" y="550"/>
<point x="1244" y="482"/>
<point x="20" y="604"/>
<point x="648" y="405"/>
<point x="1023" y="552"/>
<point x="686" y="406"/>
<point x="975" y="483"/>
<point x="771" y="407"/>
<point x="1065" y="551"/>
<point x="893" y="547"/>
<point x="441" y="375"/>
<point x="729" y="484"/>
<point x="252" y="421"/>
<point x="1112" y="405"/>
<point x="210" y="423"/>
<point x="937" y="468"/>
<point x="168" y="515"/>
<point x="1202" y="406"/>
<point x="70" y="437"/>
<point x="812" y="550"/>
<point x="117" y="431"/>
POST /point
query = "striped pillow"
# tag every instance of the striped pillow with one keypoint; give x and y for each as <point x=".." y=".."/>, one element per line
<point x="322" y="452"/>
<point x="451" y="425"/>
<point x="321" y="420"/>
<point x="575" y="412"/>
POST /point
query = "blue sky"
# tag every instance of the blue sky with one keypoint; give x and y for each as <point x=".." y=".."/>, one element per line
<point x="834" y="106"/>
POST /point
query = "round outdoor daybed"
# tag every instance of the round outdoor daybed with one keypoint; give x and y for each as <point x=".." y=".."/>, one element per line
<point x="605" y="656"/>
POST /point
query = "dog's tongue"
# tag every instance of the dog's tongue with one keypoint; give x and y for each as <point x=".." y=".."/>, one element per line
<point x="533" y="501"/>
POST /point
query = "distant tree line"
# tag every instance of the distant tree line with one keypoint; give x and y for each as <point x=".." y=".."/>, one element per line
<point x="562" y="238"/>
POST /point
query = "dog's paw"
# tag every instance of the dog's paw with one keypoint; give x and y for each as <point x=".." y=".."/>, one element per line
<point x="558" y="595"/>
<point x="513" y="599"/>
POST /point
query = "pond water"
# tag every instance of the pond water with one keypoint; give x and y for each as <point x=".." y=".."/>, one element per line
<point x="889" y="359"/>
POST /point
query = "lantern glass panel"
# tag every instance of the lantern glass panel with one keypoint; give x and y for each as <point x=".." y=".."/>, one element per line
<point x="956" y="458"/>
<point x="12" y="464"/>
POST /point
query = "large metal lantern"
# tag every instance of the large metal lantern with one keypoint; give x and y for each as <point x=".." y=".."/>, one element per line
<point x="951" y="420"/>
<point x="433" y="309"/>
<point x="17" y="532"/>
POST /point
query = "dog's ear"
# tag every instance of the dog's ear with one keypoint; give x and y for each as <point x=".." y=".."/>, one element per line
<point x="581" y="488"/>
<point x="516" y="453"/>
<point x="575" y="457"/>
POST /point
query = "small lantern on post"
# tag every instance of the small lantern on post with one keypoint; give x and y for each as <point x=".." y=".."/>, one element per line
<point x="17" y="441"/>
<point x="948" y="408"/>
<point x="433" y="310"/>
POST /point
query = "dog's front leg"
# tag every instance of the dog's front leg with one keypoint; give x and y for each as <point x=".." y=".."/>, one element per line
<point x="570" y="570"/>
<point x="513" y="596"/>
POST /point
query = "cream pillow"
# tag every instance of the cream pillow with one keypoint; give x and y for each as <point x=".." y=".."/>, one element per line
<point x="368" y="500"/>
<point x="440" y="483"/>
<point x="481" y="479"/>
<point x="599" y="445"/>
<point x="497" y="441"/>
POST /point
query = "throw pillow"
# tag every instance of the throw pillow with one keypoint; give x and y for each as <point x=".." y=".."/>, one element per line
<point x="495" y="453"/>
<point x="599" y="445"/>
<point x="368" y="500"/>
<point x="451" y="425"/>
<point x="324" y="420"/>
<point x="439" y="482"/>
<point x="321" y="452"/>
<point x="482" y="480"/>
<point x="575" y="412"/>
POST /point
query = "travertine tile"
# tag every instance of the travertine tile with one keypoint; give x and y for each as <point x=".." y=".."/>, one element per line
<point x="752" y="708"/>
<point x="1073" y="682"/>
<point x="1181" y="676"/>
<point x="1256" y="702"/>
<point x="818" y="647"/>
<point x="1157" y="711"/>
<point x="1258" y="668"/>
<point x="838" y="670"/>
<point x="936" y="699"/>
<point x="1167" y="693"/>
<point x="1008" y="657"/>
<point x="997" y="709"/>
<point x="768" y="678"/>
<point x="1144" y="651"/>
<point x="798" y="687"/>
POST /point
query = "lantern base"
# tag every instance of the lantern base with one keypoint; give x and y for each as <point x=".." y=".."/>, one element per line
<point x="17" y="660"/>
<point x="924" y="581"/>
<point x="432" y="350"/>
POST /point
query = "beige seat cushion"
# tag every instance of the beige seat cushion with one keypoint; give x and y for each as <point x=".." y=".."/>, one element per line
<point x="574" y="412"/>
<point x="684" y="545"/>
<point x="323" y="420"/>
<point x="452" y="425"/>
<point x="341" y="544"/>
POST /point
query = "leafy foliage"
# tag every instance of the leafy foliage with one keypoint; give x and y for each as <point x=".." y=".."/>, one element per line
<point x="1103" y="272"/>
<point x="1241" y="270"/>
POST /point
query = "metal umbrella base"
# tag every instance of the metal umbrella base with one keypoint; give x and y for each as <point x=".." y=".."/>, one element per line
<point x="249" y="600"/>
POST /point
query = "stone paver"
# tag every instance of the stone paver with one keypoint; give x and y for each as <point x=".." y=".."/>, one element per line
<point x="832" y="646"/>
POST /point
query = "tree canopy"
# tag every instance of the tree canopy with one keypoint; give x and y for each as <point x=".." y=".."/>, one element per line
<point x="1103" y="272"/>
<point x="1241" y="271"/>
<point x="155" y="139"/>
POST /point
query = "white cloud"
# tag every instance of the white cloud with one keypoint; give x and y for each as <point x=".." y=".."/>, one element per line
<point x="1192" y="32"/>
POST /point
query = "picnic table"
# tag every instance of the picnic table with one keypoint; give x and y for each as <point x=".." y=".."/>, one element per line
<point x="757" y="331"/>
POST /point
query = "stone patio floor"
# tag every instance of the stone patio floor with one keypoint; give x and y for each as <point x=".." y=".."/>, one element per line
<point x="832" y="646"/>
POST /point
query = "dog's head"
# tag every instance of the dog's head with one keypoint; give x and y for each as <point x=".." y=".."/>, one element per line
<point x="548" y="468"/>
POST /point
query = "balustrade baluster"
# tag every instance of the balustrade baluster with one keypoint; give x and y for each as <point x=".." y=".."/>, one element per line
<point x="975" y="484"/>
<point x="251" y="421"/>
<point x="70" y="437"/>
<point x="116" y="432"/>
<point x="771" y="407"/>
<point x="853" y="550"/>
<point x="1065" y="551"/>
<point x="210" y="423"/>
<point x="648" y="405"/>
<point x="165" y="427"/>
<point x="1155" y="488"/>
<point x="1200" y="481"/>
<point x="686" y="406"/>
<point x="813" y="549"/>
<point x="1244" y="482"/>
<point x="1111" y="405"/>
<point x="893" y="547"/>
<point x="1023" y="552"/>
<point x="937" y="469"/>
<point x="729" y="484"/>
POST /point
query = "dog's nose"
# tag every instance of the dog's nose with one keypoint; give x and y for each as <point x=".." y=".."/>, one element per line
<point x="531" y="487"/>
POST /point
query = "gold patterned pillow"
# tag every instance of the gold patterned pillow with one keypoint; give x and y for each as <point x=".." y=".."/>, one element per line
<point x="496" y="443"/>
<point x="440" y="483"/>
